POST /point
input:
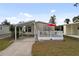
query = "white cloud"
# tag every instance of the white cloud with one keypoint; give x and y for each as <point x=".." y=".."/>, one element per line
<point x="10" y="17"/>
<point x="59" y="21"/>
<point x="52" y="11"/>
<point x="20" y="17"/>
<point x="28" y="15"/>
<point x="25" y="14"/>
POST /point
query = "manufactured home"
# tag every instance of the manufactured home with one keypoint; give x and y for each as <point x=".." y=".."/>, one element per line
<point x="39" y="30"/>
<point x="4" y="31"/>
<point x="31" y="27"/>
<point x="72" y="29"/>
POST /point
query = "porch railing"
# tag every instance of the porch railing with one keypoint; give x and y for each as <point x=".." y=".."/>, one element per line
<point x="47" y="35"/>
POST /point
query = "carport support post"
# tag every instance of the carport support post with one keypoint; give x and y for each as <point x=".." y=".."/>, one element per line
<point x="35" y="32"/>
<point x="15" y="33"/>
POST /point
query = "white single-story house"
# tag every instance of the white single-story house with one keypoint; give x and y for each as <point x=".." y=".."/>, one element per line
<point x="4" y="31"/>
<point x="31" y="27"/>
<point x="72" y="29"/>
<point x="40" y="30"/>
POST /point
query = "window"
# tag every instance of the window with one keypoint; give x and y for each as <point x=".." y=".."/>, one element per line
<point x="29" y="29"/>
<point x="0" y="27"/>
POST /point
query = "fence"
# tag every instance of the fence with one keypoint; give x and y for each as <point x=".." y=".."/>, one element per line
<point x="47" y="35"/>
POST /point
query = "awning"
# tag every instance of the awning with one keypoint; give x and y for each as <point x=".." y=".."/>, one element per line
<point x="51" y="24"/>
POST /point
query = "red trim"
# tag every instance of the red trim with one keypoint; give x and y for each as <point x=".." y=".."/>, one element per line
<point x="51" y="24"/>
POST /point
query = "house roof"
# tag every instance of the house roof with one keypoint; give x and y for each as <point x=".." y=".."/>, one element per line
<point x="72" y="23"/>
<point x="30" y="22"/>
<point x="25" y="23"/>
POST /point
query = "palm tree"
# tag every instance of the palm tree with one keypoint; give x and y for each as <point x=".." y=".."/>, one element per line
<point x="67" y="20"/>
<point x="52" y="19"/>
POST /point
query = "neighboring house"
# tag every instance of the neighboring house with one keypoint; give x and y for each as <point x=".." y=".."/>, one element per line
<point x="32" y="27"/>
<point x="71" y="29"/>
<point x="59" y="28"/>
<point x="4" y="31"/>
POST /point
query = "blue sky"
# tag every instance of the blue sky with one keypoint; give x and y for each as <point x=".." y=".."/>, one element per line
<point x="16" y="12"/>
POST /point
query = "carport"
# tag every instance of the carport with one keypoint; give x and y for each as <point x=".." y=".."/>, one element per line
<point x="28" y="28"/>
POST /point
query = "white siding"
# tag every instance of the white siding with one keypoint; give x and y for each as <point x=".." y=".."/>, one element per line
<point x="44" y="27"/>
<point x="4" y="30"/>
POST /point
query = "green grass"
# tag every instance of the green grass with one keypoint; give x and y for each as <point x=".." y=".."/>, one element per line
<point x="68" y="47"/>
<point x="4" y="43"/>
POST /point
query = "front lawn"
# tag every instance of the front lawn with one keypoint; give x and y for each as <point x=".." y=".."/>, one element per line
<point x="4" y="43"/>
<point x="68" y="47"/>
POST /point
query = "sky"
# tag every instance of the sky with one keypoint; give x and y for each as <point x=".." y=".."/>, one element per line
<point x="16" y="12"/>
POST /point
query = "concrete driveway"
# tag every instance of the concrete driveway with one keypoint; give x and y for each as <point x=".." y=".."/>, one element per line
<point x="21" y="47"/>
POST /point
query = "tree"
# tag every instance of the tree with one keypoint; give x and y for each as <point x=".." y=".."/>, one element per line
<point x="75" y="19"/>
<point x="76" y="4"/>
<point x="12" y="29"/>
<point x="67" y="20"/>
<point x="5" y="22"/>
<point x="52" y="19"/>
